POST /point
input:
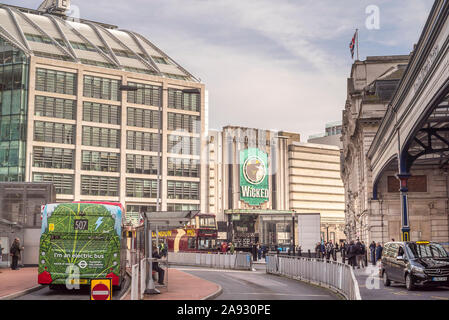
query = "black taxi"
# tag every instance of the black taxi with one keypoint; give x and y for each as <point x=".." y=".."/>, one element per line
<point x="420" y="263"/>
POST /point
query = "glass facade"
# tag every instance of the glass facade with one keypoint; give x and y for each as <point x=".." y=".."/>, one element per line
<point x="183" y="167"/>
<point x="57" y="158"/>
<point x="183" y="145"/>
<point x="147" y="94"/>
<point x="184" y="122"/>
<point x="13" y="112"/>
<point x="183" y="190"/>
<point x="184" y="101"/>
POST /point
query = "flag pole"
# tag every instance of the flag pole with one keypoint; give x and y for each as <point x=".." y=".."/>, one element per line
<point x="357" y="41"/>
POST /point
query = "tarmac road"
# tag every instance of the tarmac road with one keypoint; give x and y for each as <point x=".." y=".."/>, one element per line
<point x="372" y="288"/>
<point x="64" y="294"/>
<point x="258" y="285"/>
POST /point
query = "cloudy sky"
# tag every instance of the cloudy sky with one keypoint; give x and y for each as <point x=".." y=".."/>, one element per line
<point x="272" y="64"/>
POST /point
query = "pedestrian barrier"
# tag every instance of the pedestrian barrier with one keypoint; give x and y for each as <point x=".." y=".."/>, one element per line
<point x="241" y="261"/>
<point x="330" y="274"/>
<point x="135" y="282"/>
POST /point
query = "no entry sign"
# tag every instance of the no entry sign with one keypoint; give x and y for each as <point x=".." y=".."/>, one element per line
<point x="101" y="289"/>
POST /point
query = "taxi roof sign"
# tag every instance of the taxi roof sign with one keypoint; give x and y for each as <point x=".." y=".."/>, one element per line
<point x="101" y="289"/>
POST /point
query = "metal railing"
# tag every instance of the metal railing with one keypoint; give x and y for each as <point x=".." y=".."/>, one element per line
<point x="330" y="274"/>
<point x="239" y="261"/>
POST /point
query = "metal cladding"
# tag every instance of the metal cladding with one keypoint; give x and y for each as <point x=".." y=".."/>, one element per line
<point x="56" y="36"/>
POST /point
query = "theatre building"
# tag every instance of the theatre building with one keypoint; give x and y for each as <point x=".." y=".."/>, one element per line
<point x="260" y="181"/>
<point x="96" y="110"/>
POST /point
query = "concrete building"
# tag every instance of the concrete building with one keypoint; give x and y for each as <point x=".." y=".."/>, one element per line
<point x="290" y="178"/>
<point x="331" y="135"/>
<point x="67" y="118"/>
<point x="370" y="88"/>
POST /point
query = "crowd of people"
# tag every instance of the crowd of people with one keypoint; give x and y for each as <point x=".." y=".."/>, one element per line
<point x="355" y="253"/>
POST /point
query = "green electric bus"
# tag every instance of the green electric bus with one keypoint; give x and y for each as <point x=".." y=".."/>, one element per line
<point x="81" y="241"/>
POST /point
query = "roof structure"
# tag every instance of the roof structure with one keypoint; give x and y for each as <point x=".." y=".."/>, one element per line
<point x="56" y="36"/>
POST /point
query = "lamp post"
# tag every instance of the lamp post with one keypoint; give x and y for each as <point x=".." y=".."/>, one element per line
<point x="293" y="232"/>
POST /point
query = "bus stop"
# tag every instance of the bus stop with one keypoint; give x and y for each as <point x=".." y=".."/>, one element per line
<point x="155" y="222"/>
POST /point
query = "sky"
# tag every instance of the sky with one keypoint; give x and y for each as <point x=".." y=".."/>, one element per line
<point x="269" y="64"/>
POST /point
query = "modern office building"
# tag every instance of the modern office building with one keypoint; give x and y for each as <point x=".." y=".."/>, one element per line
<point x="331" y="135"/>
<point x="259" y="179"/>
<point x="95" y="109"/>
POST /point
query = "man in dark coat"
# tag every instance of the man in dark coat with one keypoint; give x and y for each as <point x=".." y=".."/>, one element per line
<point x="379" y="249"/>
<point x="15" y="253"/>
<point x="372" y="249"/>
<point x="157" y="268"/>
<point x="351" y="253"/>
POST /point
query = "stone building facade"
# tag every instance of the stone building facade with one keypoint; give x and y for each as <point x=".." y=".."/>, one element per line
<point x="370" y="88"/>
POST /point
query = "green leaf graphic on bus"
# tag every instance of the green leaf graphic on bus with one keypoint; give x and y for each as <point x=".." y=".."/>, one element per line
<point x="82" y="239"/>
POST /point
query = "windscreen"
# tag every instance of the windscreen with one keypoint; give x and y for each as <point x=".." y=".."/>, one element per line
<point x="427" y="250"/>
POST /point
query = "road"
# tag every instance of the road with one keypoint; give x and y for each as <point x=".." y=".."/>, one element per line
<point x="257" y="285"/>
<point x="82" y="294"/>
<point x="372" y="288"/>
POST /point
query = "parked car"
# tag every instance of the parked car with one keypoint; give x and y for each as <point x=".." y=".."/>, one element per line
<point x="420" y="263"/>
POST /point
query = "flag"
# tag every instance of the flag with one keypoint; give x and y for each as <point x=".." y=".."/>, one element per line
<point x="352" y="44"/>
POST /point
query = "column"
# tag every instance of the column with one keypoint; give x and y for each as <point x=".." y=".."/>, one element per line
<point x="405" y="230"/>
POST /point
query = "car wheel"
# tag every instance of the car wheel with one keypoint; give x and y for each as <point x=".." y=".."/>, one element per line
<point x="409" y="282"/>
<point x="387" y="281"/>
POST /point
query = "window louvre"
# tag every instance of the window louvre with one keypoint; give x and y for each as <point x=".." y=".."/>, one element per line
<point x="56" y="81"/>
<point x="99" y="186"/>
<point x="54" y="132"/>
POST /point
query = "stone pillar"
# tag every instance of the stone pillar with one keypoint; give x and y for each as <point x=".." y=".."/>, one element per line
<point x="405" y="230"/>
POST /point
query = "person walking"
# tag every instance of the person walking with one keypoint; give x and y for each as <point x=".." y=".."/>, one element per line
<point x="224" y="247"/>
<point x="343" y="248"/>
<point x="329" y="250"/>
<point x="365" y="255"/>
<point x="372" y="249"/>
<point x="359" y="253"/>
<point x="379" y="250"/>
<point x="317" y="250"/>
<point x="15" y="253"/>
<point x="1" y="252"/>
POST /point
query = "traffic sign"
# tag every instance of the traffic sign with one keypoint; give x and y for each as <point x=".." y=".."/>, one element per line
<point x="101" y="289"/>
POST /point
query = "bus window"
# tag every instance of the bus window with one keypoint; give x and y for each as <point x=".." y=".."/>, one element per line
<point x="207" y="222"/>
<point x="191" y="243"/>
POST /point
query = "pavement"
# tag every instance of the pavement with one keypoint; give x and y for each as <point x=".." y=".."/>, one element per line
<point x="184" y="286"/>
<point x="17" y="282"/>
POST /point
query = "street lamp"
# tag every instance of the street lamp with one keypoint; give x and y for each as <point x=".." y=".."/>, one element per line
<point x="293" y="232"/>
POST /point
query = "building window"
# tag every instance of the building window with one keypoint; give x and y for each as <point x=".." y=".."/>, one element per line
<point x="101" y="88"/>
<point x="183" y="190"/>
<point x="182" y="207"/>
<point x="147" y="94"/>
<point x="140" y="208"/>
<point x="183" y="167"/>
<point x="100" y="161"/>
<point x="183" y="145"/>
<point x="101" y="137"/>
<point x="53" y="158"/>
<point x="143" y="118"/>
<point x="141" y="188"/>
<point x="102" y="113"/>
<point x="99" y="186"/>
<point x="184" y="101"/>
<point x="141" y="164"/>
<point x="55" y="108"/>
<point x="63" y="182"/>
<point x="414" y="184"/>
<point x="143" y="141"/>
<point x="54" y="132"/>
<point x="56" y="81"/>
<point x="184" y="122"/>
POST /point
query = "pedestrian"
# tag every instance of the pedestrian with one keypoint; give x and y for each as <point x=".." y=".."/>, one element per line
<point x="1" y="252"/>
<point x="224" y="247"/>
<point x="365" y="255"/>
<point x="372" y="248"/>
<point x="322" y="250"/>
<point x="317" y="250"/>
<point x="351" y="252"/>
<point x="329" y="250"/>
<point x="359" y="254"/>
<point x="157" y="268"/>
<point x="264" y="251"/>
<point x="379" y="250"/>
<point x="15" y="253"/>
<point x="259" y="252"/>
<point x="231" y="248"/>
<point x="254" y="252"/>
<point x="343" y="248"/>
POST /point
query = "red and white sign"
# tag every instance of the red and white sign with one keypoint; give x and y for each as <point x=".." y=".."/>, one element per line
<point x="100" y="290"/>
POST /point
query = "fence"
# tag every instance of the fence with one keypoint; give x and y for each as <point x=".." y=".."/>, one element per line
<point x="331" y="274"/>
<point x="240" y="261"/>
<point x="138" y="276"/>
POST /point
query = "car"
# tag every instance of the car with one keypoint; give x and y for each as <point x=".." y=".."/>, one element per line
<point x="416" y="264"/>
